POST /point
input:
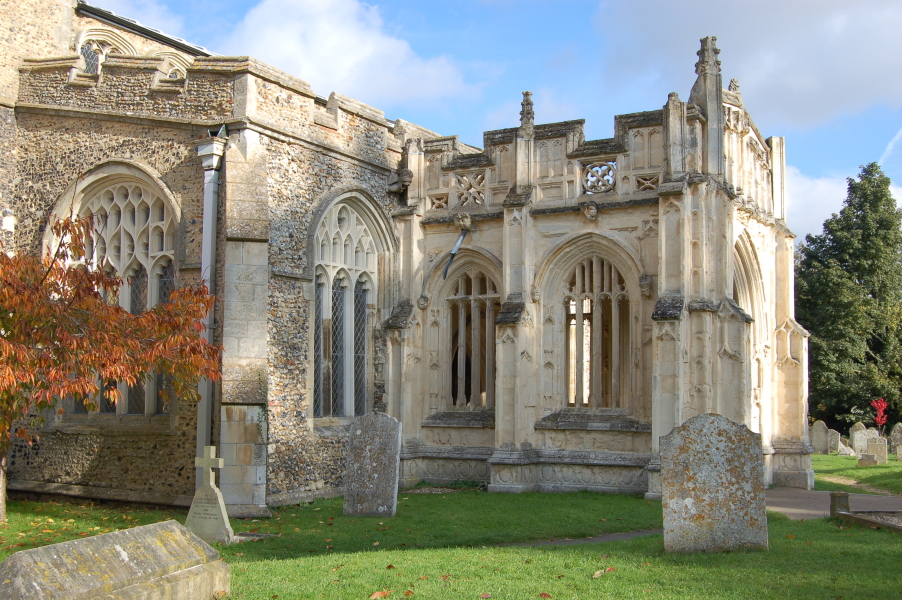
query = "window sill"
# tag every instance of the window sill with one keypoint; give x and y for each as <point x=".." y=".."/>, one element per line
<point x="593" y="419"/>
<point x="476" y="419"/>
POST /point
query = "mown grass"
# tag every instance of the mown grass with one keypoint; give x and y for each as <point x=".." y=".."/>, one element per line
<point x="885" y="477"/>
<point x="448" y="546"/>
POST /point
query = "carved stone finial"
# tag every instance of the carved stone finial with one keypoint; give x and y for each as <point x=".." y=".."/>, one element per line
<point x="673" y="97"/>
<point x="707" y="57"/>
<point x="527" y="117"/>
<point x="734" y="85"/>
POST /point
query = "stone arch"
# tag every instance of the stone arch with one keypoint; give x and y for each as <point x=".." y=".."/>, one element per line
<point x="109" y="37"/>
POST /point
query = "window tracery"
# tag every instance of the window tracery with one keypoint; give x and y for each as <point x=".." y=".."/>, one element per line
<point x="343" y="296"/>
<point x="134" y="238"/>
<point x="597" y="335"/>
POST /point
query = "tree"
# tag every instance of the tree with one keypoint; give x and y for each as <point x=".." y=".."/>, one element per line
<point x="60" y="337"/>
<point x="848" y="295"/>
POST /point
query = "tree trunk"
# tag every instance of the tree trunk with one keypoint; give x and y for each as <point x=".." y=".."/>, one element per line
<point x="3" y="462"/>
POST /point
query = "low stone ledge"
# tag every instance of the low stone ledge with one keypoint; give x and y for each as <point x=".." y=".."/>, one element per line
<point x="97" y="493"/>
<point x="572" y="457"/>
<point x="445" y="452"/>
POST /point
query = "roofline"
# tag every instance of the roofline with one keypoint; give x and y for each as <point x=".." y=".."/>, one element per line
<point x="135" y="27"/>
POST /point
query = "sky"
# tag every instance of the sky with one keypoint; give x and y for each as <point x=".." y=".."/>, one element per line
<point x="824" y="74"/>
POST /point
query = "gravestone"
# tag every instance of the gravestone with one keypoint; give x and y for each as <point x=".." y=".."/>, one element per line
<point x="858" y="437"/>
<point x="899" y="453"/>
<point x="846" y="450"/>
<point x="208" y="518"/>
<point x="374" y="458"/>
<point x="818" y="436"/>
<point x="163" y="560"/>
<point x="867" y="460"/>
<point x="712" y="484"/>
<point x="895" y="437"/>
<point x="834" y="441"/>
<point x="877" y="447"/>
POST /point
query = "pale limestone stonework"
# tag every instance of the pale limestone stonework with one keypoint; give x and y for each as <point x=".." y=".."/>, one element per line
<point x="537" y="312"/>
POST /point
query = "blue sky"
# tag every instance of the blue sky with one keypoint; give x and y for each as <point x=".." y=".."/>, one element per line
<point x="825" y="74"/>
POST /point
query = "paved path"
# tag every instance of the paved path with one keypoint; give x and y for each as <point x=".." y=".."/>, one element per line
<point x="802" y="504"/>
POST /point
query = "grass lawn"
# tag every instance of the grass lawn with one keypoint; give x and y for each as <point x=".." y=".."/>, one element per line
<point x="446" y="546"/>
<point x="885" y="477"/>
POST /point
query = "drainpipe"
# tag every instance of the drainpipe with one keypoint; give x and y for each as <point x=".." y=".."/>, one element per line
<point x="210" y="151"/>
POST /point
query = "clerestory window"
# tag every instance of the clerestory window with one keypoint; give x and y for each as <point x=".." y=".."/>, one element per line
<point x="597" y="335"/>
<point x="134" y="237"/>
<point x="344" y="297"/>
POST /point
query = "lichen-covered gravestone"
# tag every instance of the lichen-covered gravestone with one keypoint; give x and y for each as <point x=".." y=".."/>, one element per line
<point x="895" y="437"/>
<point x="858" y="438"/>
<point x="712" y="484"/>
<point x="163" y="560"/>
<point x="374" y="458"/>
<point x="818" y="434"/>
<point x="208" y="518"/>
<point x="834" y="441"/>
<point x="877" y="447"/>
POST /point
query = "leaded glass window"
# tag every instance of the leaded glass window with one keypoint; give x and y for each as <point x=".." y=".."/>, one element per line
<point x="342" y="328"/>
<point x="92" y="58"/>
<point x="134" y="238"/>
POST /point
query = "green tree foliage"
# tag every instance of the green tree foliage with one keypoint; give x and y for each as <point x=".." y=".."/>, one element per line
<point x="848" y="294"/>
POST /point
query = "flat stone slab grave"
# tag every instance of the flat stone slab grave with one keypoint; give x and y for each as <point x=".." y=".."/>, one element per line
<point x="374" y="461"/>
<point x="163" y="560"/>
<point x="207" y="517"/>
<point x="712" y="487"/>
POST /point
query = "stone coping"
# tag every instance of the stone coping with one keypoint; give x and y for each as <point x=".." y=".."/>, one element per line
<point x="571" y="457"/>
<point x="481" y="419"/>
<point x="98" y="493"/>
<point x="872" y="519"/>
<point x="604" y="419"/>
<point x="448" y="453"/>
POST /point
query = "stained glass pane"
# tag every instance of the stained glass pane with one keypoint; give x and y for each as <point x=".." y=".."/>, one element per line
<point x="139" y="291"/>
<point x="166" y="283"/>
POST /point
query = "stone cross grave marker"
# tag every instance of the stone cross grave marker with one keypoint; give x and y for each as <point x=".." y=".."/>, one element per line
<point x="207" y="518"/>
<point x="374" y="460"/>
<point x="818" y="435"/>
<point x="162" y="560"/>
<point x="712" y="484"/>
<point x="877" y="447"/>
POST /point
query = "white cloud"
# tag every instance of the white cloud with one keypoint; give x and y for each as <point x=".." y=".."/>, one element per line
<point x="799" y="62"/>
<point x="812" y="200"/>
<point x="342" y="46"/>
<point x="151" y="13"/>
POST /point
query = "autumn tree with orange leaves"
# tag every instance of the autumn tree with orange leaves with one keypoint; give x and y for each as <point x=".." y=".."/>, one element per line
<point x="59" y="337"/>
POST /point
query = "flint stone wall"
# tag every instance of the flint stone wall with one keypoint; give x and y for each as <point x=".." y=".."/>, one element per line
<point x="712" y="483"/>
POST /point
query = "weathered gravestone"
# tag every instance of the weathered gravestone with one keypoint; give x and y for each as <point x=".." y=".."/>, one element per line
<point x="834" y="441"/>
<point x="899" y="453"/>
<point x="208" y="518"/>
<point x="374" y="458"/>
<point x="163" y="560"/>
<point x="895" y="437"/>
<point x="867" y="460"/>
<point x="858" y="437"/>
<point x="712" y="484"/>
<point x="818" y="435"/>
<point x="877" y="447"/>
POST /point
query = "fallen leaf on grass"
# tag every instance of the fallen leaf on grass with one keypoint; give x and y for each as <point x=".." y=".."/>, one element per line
<point x="327" y="540"/>
<point x="446" y="577"/>
<point x="239" y="554"/>
<point x="560" y="576"/>
<point x="598" y="574"/>
<point x="380" y="594"/>
<point x="336" y="581"/>
<point x="486" y="596"/>
<point x="424" y="577"/>
<point x="390" y="567"/>
<point x="375" y="543"/>
<point x="790" y="536"/>
<point x="544" y="595"/>
<point x="408" y="593"/>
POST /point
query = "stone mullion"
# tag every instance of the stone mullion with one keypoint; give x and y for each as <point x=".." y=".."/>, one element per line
<point x="615" y="352"/>
<point x="461" y="354"/>
<point x="596" y="398"/>
<point x="580" y="337"/>
<point x="490" y="353"/>
<point x="475" y="352"/>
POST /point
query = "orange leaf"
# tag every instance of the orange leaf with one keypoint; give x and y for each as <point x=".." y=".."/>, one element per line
<point x="544" y="595"/>
<point x="486" y="596"/>
<point x="390" y="567"/>
<point x="790" y="536"/>
<point x="609" y="569"/>
<point x="408" y="593"/>
<point x="380" y="594"/>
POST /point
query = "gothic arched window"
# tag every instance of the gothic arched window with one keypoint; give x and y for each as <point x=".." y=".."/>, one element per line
<point x="134" y="238"/>
<point x="343" y="296"/>
<point x="597" y="335"/>
<point x="472" y="304"/>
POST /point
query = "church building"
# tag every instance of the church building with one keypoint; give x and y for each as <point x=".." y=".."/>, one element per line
<point x="536" y="312"/>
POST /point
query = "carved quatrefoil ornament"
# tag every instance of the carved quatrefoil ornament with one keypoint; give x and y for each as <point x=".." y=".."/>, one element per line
<point x="599" y="178"/>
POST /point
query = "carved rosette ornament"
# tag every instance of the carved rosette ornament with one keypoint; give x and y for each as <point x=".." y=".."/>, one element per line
<point x="600" y="177"/>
